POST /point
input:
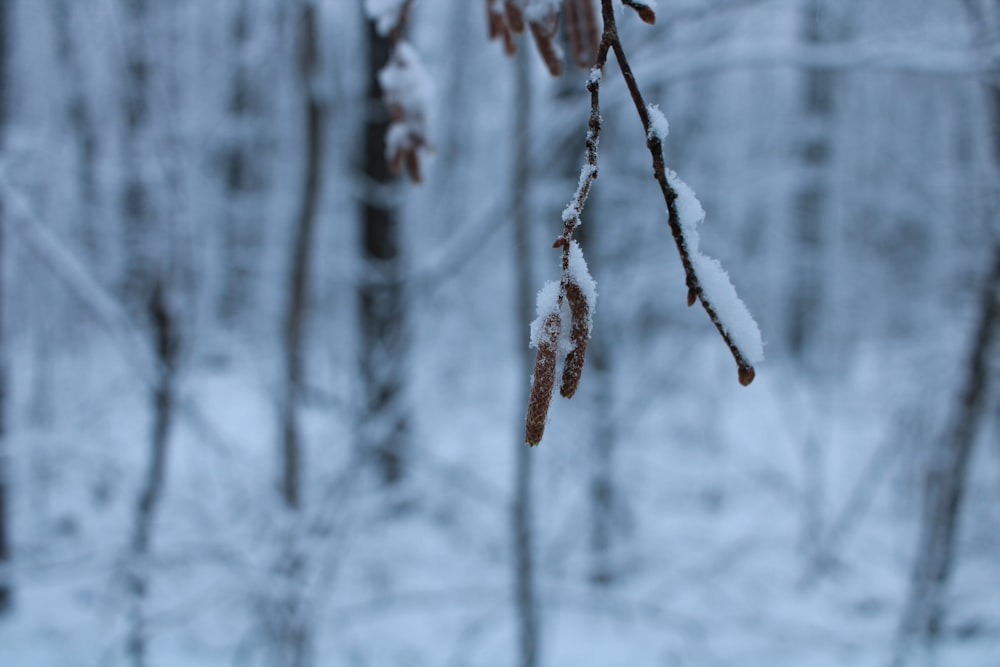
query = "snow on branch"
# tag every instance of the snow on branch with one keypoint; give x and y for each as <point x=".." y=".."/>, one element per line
<point x="405" y="86"/>
<point x="565" y="308"/>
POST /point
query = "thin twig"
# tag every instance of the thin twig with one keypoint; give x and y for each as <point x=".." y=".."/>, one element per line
<point x="695" y="291"/>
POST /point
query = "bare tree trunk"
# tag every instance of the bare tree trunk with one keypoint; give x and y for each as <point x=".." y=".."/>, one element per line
<point x="524" y="566"/>
<point x="811" y="205"/>
<point x="167" y="343"/>
<point x="290" y="625"/>
<point x="384" y="427"/>
<point x="298" y="282"/>
<point x="6" y="578"/>
<point x="136" y="205"/>
<point x="80" y="117"/>
<point x="945" y="484"/>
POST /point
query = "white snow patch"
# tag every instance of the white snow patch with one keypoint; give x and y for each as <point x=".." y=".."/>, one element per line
<point x="658" y="125"/>
<point x="406" y="87"/>
<point x="718" y="289"/>
<point x="573" y="209"/>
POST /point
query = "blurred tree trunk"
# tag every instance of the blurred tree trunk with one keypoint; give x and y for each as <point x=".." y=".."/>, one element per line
<point x="945" y="485"/>
<point x="811" y="200"/>
<point x="244" y="179"/>
<point x="6" y="577"/>
<point x="80" y="118"/>
<point x="384" y="427"/>
<point x="138" y="275"/>
<point x="296" y="313"/>
<point x="521" y="212"/>
<point x="166" y="342"/>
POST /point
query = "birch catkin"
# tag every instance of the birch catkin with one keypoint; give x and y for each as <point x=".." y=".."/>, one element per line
<point x="543" y="380"/>
<point x="579" y="333"/>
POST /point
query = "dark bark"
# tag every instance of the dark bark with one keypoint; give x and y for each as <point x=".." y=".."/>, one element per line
<point x="524" y="566"/>
<point x="6" y="580"/>
<point x="384" y="428"/>
<point x="811" y="203"/>
<point x="135" y="203"/>
<point x="946" y="478"/>
<point x="80" y="118"/>
<point x="166" y="343"/>
<point x="244" y="180"/>
<point x="296" y="314"/>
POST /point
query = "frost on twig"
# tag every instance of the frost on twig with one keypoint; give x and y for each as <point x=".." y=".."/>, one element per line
<point x="565" y="309"/>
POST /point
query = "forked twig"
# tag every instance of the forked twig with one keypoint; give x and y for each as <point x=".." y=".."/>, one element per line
<point x="737" y="327"/>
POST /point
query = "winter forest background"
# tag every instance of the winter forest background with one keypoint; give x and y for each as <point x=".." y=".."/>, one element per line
<point x="262" y="403"/>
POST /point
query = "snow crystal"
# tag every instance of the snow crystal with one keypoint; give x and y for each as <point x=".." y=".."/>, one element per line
<point x="718" y="290"/>
<point x="385" y="13"/>
<point x="595" y="75"/>
<point x="658" y="125"/>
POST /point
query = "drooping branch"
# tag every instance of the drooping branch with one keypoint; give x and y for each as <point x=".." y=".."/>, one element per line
<point x="706" y="281"/>
<point x="654" y="141"/>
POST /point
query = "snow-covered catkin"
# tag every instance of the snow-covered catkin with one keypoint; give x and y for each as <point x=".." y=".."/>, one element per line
<point x="579" y="333"/>
<point x="543" y="380"/>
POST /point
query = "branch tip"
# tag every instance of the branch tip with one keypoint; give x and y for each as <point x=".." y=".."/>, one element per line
<point x="646" y="13"/>
<point x="747" y="374"/>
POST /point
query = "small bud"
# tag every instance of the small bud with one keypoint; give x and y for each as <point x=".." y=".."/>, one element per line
<point x="646" y="13"/>
<point x="747" y="375"/>
<point x="692" y="297"/>
<point x="559" y="242"/>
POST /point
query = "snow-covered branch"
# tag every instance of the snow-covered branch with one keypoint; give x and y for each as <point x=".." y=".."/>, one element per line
<point x="565" y="309"/>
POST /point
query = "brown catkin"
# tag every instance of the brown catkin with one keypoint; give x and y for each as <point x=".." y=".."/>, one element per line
<point x="515" y="18"/>
<point x="543" y="380"/>
<point x="544" y="32"/>
<point x="579" y="333"/>
<point x="581" y="29"/>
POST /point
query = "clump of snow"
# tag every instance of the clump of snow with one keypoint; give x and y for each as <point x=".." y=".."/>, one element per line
<point x="658" y="125"/>
<point x="595" y="75"/>
<point x="549" y="301"/>
<point x="733" y="314"/>
<point x="406" y="89"/>
<point x="385" y="13"/>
